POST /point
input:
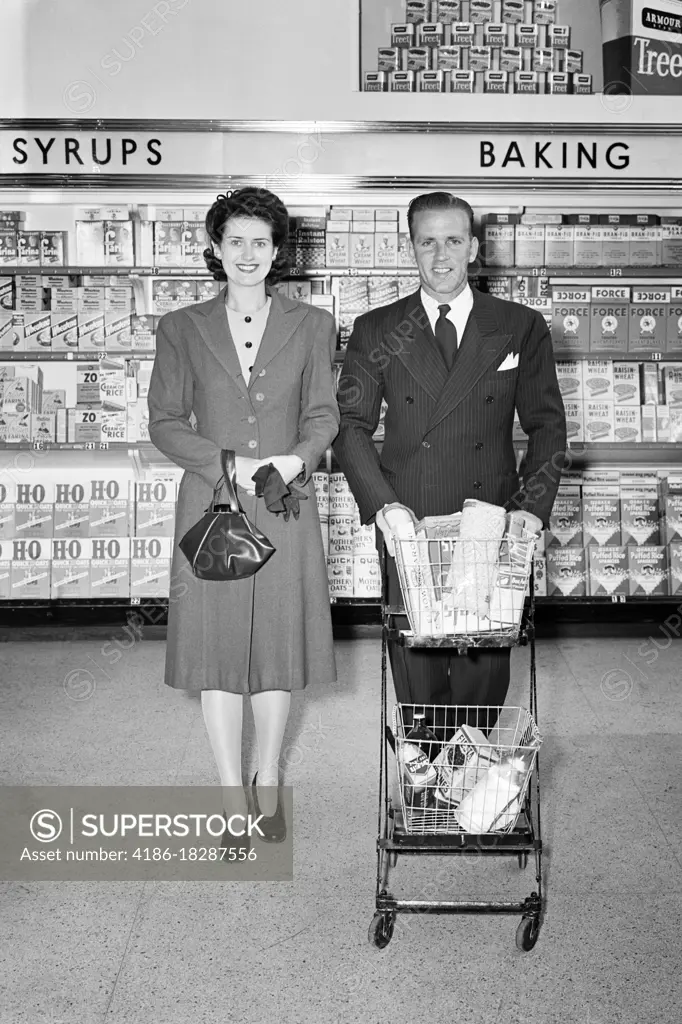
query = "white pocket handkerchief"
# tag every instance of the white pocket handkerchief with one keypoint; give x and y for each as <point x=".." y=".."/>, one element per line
<point x="510" y="363"/>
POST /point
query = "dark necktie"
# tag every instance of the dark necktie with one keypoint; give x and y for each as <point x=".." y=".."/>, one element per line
<point x="446" y="336"/>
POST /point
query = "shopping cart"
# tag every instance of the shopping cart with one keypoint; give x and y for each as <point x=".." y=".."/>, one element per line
<point x="476" y="795"/>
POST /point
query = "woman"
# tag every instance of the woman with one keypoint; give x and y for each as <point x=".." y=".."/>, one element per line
<point x="256" y="370"/>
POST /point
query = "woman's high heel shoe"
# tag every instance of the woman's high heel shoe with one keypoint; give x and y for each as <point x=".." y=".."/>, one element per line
<point x="274" y="828"/>
<point x="237" y="843"/>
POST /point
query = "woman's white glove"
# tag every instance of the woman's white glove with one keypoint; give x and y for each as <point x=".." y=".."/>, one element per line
<point x="394" y="522"/>
<point x="245" y="470"/>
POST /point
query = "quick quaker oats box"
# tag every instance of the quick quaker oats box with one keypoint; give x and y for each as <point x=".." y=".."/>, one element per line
<point x="649" y="319"/>
<point x="571" y="309"/>
<point x="566" y="572"/>
<point x="608" y="570"/>
<point x="610" y="321"/>
<point x="648" y="570"/>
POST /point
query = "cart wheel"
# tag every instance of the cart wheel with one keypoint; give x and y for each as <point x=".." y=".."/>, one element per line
<point x="381" y="930"/>
<point x="527" y="933"/>
<point x="523" y="859"/>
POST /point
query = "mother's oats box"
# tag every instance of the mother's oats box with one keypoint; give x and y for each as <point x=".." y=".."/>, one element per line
<point x="610" y="322"/>
<point x="649" y="319"/>
<point x="648" y="570"/>
<point x="566" y="572"/>
<point x="608" y="570"/>
<point x="571" y="309"/>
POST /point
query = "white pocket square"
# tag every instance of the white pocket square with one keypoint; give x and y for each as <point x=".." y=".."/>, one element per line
<point x="510" y="363"/>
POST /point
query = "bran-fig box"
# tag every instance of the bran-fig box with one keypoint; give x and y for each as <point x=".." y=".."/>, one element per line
<point x="648" y="569"/>
<point x="608" y="570"/>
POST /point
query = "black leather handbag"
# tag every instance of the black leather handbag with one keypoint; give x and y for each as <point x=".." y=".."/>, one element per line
<point x="224" y="545"/>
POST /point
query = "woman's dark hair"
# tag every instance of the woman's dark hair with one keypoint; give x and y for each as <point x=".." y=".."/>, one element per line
<point x="439" y="201"/>
<point x="253" y="204"/>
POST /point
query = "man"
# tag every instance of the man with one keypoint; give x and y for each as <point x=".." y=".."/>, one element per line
<point x="451" y="363"/>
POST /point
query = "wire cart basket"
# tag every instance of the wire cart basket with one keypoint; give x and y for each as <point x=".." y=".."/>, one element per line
<point x="471" y="786"/>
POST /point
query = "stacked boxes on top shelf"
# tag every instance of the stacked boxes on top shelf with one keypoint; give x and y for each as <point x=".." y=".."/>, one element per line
<point x="480" y="46"/>
<point x="614" y="533"/>
<point x="73" y="535"/>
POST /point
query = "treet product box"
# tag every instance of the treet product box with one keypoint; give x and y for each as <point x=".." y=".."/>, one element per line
<point x="626" y="390"/>
<point x="608" y="570"/>
<point x="571" y="309"/>
<point x="565" y="522"/>
<point x="610" y="322"/>
<point x="461" y="81"/>
<point x="566" y="572"/>
<point x="674" y="327"/>
<point x="110" y="567"/>
<point x="448" y="58"/>
<point x="150" y="566"/>
<point x="375" y="81"/>
<point x="403" y="34"/>
<point x="648" y="570"/>
<point x="70" y="575"/>
<point x="639" y="515"/>
<point x="649" y="319"/>
<point x="31" y="569"/>
<point x="431" y="34"/>
<point x="598" y="380"/>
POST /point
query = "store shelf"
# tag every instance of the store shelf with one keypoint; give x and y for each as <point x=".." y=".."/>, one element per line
<point x="474" y="271"/>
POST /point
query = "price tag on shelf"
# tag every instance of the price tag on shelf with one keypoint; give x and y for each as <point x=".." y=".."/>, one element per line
<point x="134" y="600"/>
<point x="616" y="272"/>
<point x="103" y="446"/>
<point x="656" y="356"/>
<point x="539" y="272"/>
<point x="89" y="446"/>
<point x="618" y="598"/>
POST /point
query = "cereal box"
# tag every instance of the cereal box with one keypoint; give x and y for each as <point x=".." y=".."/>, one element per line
<point x="616" y="239"/>
<point x="338" y="250"/>
<point x="649" y="423"/>
<point x="674" y="329"/>
<point x="8" y="498"/>
<point x="5" y="569"/>
<point x="610" y="323"/>
<point x="627" y="424"/>
<point x="118" y="244"/>
<point x="386" y="249"/>
<point x="601" y="514"/>
<point x="599" y="422"/>
<point x="155" y="508"/>
<point x="53" y="248"/>
<point x="340" y="573"/>
<point x="575" y="421"/>
<point x="639" y="515"/>
<point x="70" y="575"/>
<point x="565" y="522"/>
<point x="571" y="308"/>
<point x="72" y="507"/>
<point x="671" y="241"/>
<point x="142" y="333"/>
<point x="31" y="568"/>
<point x="64" y="332"/>
<point x="28" y="244"/>
<point x="649" y="319"/>
<point x="366" y="575"/>
<point x="109" y="508"/>
<point x="570" y="376"/>
<point x="648" y="570"/>
<point x="675" y="570"/>
<point x="110" y="567"/>
<point x="598" y="380"/>
<point x="608" y="570"/>
<point x="34" y="513"/>
<point x="566" y="572"/>
<point x="9" y="251"/>
<point x="672" y="511"/>
<point x="675" y="417"/>
<point x="498" y="249"/>
<point x="626" y="389"/>
<point x="362" y="250"/>
<point x="672" y="385"/>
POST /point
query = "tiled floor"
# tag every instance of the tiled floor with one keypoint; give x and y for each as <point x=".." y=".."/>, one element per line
<point x="293" y="953"/>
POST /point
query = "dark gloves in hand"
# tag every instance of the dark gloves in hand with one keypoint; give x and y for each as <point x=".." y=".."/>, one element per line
<point x="279" y="498"/>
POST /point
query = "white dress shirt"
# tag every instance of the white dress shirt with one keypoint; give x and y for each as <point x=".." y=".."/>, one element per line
<point x="460" y="308"/>
<point x="244" y="331"/>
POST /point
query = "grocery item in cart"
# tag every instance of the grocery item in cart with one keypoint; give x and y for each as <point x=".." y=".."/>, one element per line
<point x="419" y="774"/>
<point x="422" y="735"/>
<point x="474" y="557"/>
<point x="494" y="802"/>
<point x="462" y="762"/>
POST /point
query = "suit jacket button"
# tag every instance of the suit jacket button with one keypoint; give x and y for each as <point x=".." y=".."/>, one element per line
<point x="409" y="400"/>
<point x="477" y="484"/>
<point x="425" y="444"/>
<point x="489" y="399"/>
<point x="479" y="445"/>
<point x="253" y="444"/>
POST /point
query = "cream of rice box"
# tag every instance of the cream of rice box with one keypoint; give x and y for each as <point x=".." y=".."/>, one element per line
<point x="610" y="321"/>
<point x="649" y="319"/>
